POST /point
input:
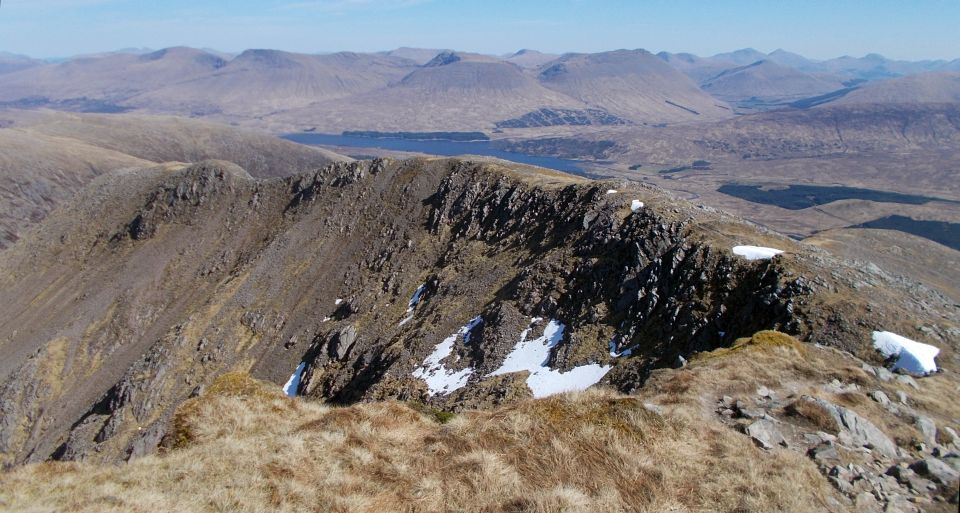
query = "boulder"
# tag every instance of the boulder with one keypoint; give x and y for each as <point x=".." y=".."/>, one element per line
<point x="765" y="434"/>
<point x="927" y="428"/>
<point x="904" y="379"/>
<point x="859" y="430"/>
<point x="883" y="374"/>
<point x="880" y="397"/>
<point x="909" y="478"/>
<point x="935" y="470"/>
<point x="746" y="412"/>
<point x="824" y="454"/>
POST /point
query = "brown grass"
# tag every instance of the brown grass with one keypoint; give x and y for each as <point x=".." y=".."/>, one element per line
<point x="760" y="341"/>
<point x="231" y="384"/>
<point x="250" y="449"/>
<point x="815" y="414"/>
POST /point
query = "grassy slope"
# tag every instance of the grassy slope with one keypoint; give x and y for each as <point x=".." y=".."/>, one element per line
<point x="45" y="157"/>
<point x="244" y="447"/>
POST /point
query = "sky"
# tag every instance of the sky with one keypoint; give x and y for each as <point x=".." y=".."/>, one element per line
<point x="819" y="29"/>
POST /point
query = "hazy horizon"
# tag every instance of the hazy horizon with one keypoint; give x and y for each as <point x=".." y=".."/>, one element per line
<point x="141" y="50"/>
<point x="817" y="29"/>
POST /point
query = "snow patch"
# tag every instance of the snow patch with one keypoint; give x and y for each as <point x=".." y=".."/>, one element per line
<point x="338" y="301"/>
<point x="756" y="252"/>
<point x="292" y="384"/>
<point x="533" y="356"/>
<point x="440" y="379"/>
<point x="613" y="349"/>
<point x="636" y="205"/>
<point x="912" y="356"/>
<point x="611" y="191"/>
<point x="415" y="300"/>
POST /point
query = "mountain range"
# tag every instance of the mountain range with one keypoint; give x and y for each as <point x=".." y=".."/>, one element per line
<point x="284" y="91"/>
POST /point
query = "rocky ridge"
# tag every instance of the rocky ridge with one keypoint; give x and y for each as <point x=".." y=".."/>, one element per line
<point x="152" y="283"/>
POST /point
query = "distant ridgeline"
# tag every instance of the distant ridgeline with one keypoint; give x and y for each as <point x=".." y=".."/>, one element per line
<point x="420" y="136"/>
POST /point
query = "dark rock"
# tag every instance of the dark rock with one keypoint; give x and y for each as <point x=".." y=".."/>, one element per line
<point x="936" y="470"/>
<point x="908" y="477"/>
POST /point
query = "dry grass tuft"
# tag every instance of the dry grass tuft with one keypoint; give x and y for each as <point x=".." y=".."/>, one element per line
<point x="232" y="384"/>
<point x="441" y="416"/>
<point x="240" y="384"/>
<point x="761" y="341"/>
<point x="814" y="413"/>
<point x="251" y="450"/>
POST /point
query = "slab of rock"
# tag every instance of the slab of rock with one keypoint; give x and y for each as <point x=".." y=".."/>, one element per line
<point x="765" y="434"/>
<point x="342" y="342"/>
<point x="857" y="429"/>
<point x="824" y="454"/>
<point x="927" y="428"/>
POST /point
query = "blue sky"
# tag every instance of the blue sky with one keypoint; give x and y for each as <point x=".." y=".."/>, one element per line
<point x="905" y="29"/>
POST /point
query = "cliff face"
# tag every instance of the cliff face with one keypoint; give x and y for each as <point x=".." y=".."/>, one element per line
<point x="454" y="283"/>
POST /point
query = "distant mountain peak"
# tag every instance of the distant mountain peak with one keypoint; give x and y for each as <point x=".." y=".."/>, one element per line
<point x="443" y="59"/>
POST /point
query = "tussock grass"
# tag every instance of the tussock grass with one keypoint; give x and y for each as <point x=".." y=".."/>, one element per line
<point x="815" y="414"/>
<point x="248" y="449"/>
<point x="761" y="341"/>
